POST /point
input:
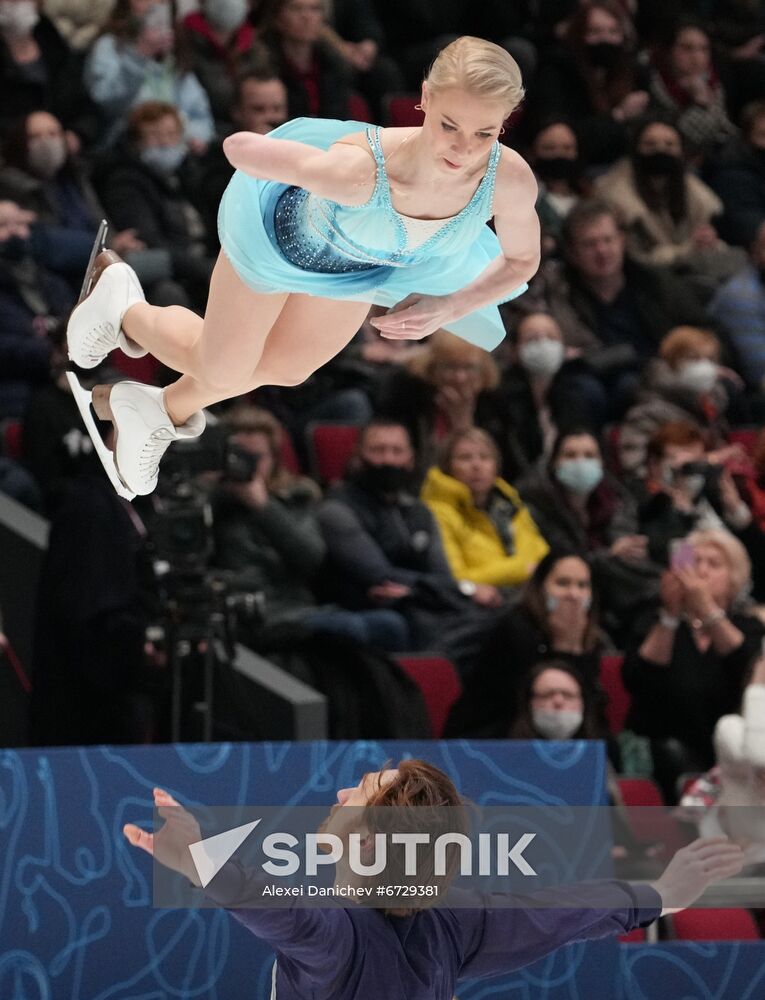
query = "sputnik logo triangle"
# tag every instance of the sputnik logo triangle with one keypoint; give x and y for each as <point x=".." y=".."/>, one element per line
<point x="211" y="854"/>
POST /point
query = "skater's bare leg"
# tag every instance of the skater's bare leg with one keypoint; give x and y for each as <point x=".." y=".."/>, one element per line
<point x="237" y="320"/>
<point x="308" y="333"/>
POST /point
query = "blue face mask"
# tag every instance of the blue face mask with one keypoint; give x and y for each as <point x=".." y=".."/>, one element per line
<point x="164" y="159"/>
<point x="580" y="475"/>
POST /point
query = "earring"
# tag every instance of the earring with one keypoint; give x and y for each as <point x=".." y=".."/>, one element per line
<point x="502" y="130"/>
<point x="418" y="107"/>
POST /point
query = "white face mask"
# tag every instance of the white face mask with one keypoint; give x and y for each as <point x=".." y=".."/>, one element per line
<point x="557" y="725"/>
<point x="697" y="376"/>
<point x="47" y="155"/>
<point x="18" y="19"/>
<point x="225" y="15"/>
<point x="542" y="357"/>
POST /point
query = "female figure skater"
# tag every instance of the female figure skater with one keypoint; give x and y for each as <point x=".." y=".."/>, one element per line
<point x="321" y="219"/>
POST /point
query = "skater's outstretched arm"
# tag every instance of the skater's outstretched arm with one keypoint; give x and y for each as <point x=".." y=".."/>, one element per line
<point x="320" y="941"/>
<point x="500" y="940"/>
<point x="343" y="173"/>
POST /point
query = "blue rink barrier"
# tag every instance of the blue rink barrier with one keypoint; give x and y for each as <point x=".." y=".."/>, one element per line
<point x="76" y="921"/>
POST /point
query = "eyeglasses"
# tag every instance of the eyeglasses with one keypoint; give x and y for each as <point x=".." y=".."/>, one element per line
<point x="569" y="696"/>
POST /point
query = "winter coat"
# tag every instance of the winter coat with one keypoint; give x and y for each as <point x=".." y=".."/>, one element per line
<point x="474" y="547"/>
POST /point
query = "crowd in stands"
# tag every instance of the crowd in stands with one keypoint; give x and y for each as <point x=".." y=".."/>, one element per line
<point x="596" y="486"/>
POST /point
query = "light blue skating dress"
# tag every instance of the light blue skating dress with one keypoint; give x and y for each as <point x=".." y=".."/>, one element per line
<point x="284" y="239"/>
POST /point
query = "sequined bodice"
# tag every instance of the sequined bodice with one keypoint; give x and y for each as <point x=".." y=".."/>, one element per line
<point x="317" y="234"/>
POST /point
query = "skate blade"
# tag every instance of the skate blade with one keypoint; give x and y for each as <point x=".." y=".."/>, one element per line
<point x="82" y="399"/>
<point x="98" y="245"/>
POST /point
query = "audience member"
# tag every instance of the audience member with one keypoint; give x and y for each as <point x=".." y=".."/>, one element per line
<point x="556" y="618"/>
<point x="42" y="174"/>
<point x="268" y="538"/>
<point x="688" y="489"/>
<point x="579" y="505"/>
<point x="556" y="705"/>
<point x="684" y="82"/>
<point x="685" y="382"/>
<point x="541" y="389"/>
<point x="739" y="309"/>
<point x="685" y="667"/>
<point x="39" y="70"/>
<point x="79" y="21"/>
<point x="222" y="47"/>
<point x="384" y="547"/>
<point x="667" y="211"/>
<point x="318" y="81"/>
<point x="355" y="32"/>
<point x="593" y="80"/>
<point x="260" y="102"/>
<point x="449" y="386"/>
<point x="737" y="174"/>
<point x="488" y="535"/>
<point x="150" y="184"/>
<point x="32" y="301"/>
<point x="554" y="155"/>
<point x="613" y="309"/>
<point x="137" y="59"/>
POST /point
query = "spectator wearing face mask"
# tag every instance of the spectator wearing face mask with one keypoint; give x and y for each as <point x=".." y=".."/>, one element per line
<point x="556" y="618"/>
<point x="739" y="309"/>
<point x="685" y="382"/>
<point x="554" y="156"/>
<point x="489" y="536"/>
<point x="556" y="704"/>
<point x="685" y="666"/>
<point x="667" y="211"/>
<point x="541" y="388"/>
<point x="737" y="174"/>
<point x="43" y="175"/>
<point x="151" y="184"/>
<point x="39" y="70"/>
<point x="593" y="79"/>
<point x="384" y="548"/>
<point x="79" y="21"/>
<point x="137" y="59"/>
<point x="222" y="48"/>
<point x="580" y="506"/>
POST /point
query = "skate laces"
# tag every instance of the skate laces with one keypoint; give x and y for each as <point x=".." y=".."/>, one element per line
<point x="155" y="447"/>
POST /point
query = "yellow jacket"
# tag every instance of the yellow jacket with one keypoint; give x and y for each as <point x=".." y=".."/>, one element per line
<point x="472" y="543"/>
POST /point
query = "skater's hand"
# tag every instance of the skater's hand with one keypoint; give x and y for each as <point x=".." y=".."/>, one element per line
<point x="170" y="844"/>
<point x="415" y="317"/>
<point x="693" y="868"/>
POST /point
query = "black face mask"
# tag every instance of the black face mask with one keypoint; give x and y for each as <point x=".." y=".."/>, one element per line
<point x="13" y="249"/>
<point x="558" y="168"/>
<point x="379" y="479"/>
<point x="604" y="55"/>
<point x="659" y="164"/>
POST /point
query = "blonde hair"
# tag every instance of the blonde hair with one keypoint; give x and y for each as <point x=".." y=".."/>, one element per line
<point x="444" y="346"/>
<point x="479" y="67"/>
<point x="735" y="555"/>
<point x="476" y="435"/>
<point x="681" y="340"/>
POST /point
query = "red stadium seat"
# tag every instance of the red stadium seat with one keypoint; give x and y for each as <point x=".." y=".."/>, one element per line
<point x="288" y="455"/>
<point x="439" y="682"/>
<point x="143" y="369"/>
<point x="618" y="703"/>
<point x="401" y="111"/>
<point x="330" y="446"/>
<point x="746" y="437"/>
<point x="12" y="439"/>
<point x="358" y="109"/>
<point x="715" y="925"/>
<point x="637" y="936"/>
<point x="650" y="823"/>
<point x="640" y="792"/>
